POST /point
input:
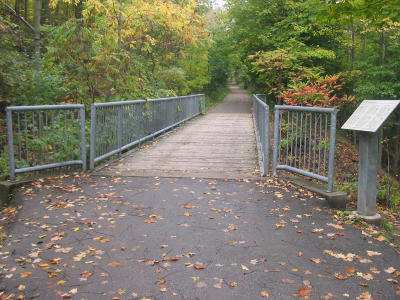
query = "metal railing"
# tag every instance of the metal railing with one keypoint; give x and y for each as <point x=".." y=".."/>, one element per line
<point x="304" y="141"/>
<point x="261" y="124"/>
<point x="45" y="136"/>
<point x="117" y="126"/>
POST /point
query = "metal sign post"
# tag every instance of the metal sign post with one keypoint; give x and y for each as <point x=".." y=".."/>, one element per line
<point x="367" y="119"/>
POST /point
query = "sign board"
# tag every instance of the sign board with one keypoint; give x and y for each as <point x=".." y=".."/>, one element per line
<point x="370" y="115"/>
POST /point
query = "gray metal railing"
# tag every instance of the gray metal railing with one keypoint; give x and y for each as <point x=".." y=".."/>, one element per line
<point x="304" y="141"/>
<point x="45" y="136"/>
<point x="261" y="124"/>
<point x="117" y="126"/>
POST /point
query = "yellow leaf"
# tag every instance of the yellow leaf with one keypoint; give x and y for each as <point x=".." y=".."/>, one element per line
<point x="121" y="291"/>
<point x="264" y="294"/>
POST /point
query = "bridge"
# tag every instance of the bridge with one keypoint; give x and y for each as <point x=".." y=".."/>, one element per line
<point x="220" y="144"/>
<point x="188" y="217"/>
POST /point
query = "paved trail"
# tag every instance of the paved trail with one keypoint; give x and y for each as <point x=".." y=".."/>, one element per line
<point x="93" y="237"/>
<point x="220" y="144"/>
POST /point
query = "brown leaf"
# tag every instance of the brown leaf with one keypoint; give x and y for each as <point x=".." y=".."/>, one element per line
<point x="114" y="264"/>
<point x="198" y="266"/>
<point x="25" y="274"/>
<point x="86" y="274"/>
<point x="340" y="276"/>
<point x="161" y="281"/>
<point x="175" y="258"/>
<point x="288" y="281"/>
<point x="149" y="221"/>
<point x="303" y="292"/>
<point x="350" y="269"/>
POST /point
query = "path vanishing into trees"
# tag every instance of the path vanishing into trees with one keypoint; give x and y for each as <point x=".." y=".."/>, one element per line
<point x="152" y="230"/>
<point x="220" y="144"/>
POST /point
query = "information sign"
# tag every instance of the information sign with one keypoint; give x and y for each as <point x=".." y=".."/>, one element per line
<point x="370" y="115"/>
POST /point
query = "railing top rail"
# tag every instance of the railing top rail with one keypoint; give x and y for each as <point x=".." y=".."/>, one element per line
<point x="175" y="97"/>
<point x="119" y="103"/>
<point x="306" y="108"/>
<point x="45" y="107"/>
<point x="260" y="101"/>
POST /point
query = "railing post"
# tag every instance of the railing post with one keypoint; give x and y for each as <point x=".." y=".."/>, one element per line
<point x="203" y="104"/>
<point x="119" y="128"/>
<point x="92" y="135"/>
<point x="275" y="148"/>
<point x="266" y="140"/>
<point x="10" y="143"/>
<point x="138" y="120"/>
<point x="332" y="141"/>
<point x="83" y="137"/>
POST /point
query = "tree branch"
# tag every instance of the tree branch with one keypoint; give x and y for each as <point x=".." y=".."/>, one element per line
<point x="18" y="16"/>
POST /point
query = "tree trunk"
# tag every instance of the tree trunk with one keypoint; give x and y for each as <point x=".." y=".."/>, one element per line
<point x="383" y="46"/>
<point x="119" y="24"/>
<point x="37" y="44"/>
<point x="26" y="10"/>
<point x="78" y="10"/>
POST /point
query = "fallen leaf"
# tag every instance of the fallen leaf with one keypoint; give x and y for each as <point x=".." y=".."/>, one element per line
<point x="373" y="253"/>
<point x="25" y="274"/>
<point x="114" y="264"/>
<point x="201" y="284"/>
<point x="264" y="294"/>
<point x="350" y="269"/>
<point x="390" y="270"/>
<point x="287" y="280"/>
<point x="316" y="260"/>
<point x="233" y="284"/>
<point x="198" y="266"/>
<point x="161" y="281"/>
<point x="340" y="276"/>
<point x="303" y="292"/>
<point x="337" y="226"/>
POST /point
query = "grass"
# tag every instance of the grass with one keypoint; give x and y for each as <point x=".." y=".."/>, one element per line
<point x="215" y="97"/>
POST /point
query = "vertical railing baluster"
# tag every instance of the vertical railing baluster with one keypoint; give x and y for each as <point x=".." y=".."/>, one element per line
<point x="119" y="129"/>
<point x="19" y="137"/>
<point x="93" y="121"/>
<point x="275" y="153"/>
<point x="309" y="145"/>
<point x="10" y="143"/>
<point x="315" y="142"/>
<point x="332" y="141"/>
<point x="325" y="142"/>
<point x="83" y="137"/>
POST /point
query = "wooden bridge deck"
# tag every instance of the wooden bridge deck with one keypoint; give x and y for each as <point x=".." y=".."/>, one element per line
<point x="220" y="144"/>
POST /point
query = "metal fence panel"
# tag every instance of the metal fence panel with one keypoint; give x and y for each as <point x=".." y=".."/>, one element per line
<point x="261" y="124"/>
<point x="304" y="141"/>
<point x="117" y="126"/>
<point x="45" y="136"/>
